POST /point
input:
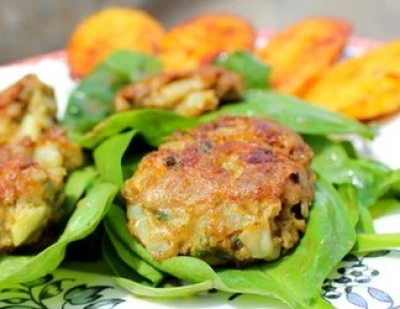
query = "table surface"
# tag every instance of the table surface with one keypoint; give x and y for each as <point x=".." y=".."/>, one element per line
<point x="33" y="27"/>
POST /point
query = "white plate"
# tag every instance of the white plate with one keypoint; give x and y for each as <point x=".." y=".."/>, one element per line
<point x="359" y="282"/>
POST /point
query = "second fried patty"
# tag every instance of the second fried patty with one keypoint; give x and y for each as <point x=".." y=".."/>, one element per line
<point x="237" y="189"/>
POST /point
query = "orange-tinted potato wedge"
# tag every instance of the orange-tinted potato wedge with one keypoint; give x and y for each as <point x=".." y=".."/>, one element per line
<point x="108" y="30"/>
<point x="299" y="54"/>
<point x="198" y="40"/>
<point x="365" y="87"/>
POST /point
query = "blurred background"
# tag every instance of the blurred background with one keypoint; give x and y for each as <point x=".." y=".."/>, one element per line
<point x="30" y="27"/>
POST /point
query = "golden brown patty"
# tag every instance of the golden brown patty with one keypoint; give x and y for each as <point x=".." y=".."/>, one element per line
<point x="34" y="158"/>
<point x="236" y="190"/>
<point x="188" y="93"/>
<point x="27" y="108"/>
<point x="31" y="179"/>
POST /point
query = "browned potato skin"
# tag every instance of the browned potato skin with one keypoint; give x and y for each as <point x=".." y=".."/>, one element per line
<point x="217" y="180"/>
<point x="108" y="30"/>
<point x="365" y="87"/>
<point x="194" y="42"/>
<point x="300" y="54"/>
<point x="188" y="93"/>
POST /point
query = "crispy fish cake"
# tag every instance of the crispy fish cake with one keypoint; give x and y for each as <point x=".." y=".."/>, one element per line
<point x="31" y="179"/>
<point x="365" y="87"/>
<point x="188" y="93"/>
<point x="301" y="53"/>
<point x="235" y="190"/>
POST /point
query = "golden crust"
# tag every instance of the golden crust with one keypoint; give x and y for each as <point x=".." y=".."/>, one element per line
<point x="27" y="101"/>
<point x="365" y="87"/>
<point x="31" y="179"/>
<point x="196" y="41"/>
<point x="217" y="182"/>
<point x="109" y="30"/>
<point x="189" y="93"/>
<point x="300" y="54"/>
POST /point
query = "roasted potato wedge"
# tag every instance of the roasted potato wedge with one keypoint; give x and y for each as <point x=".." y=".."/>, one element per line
<point x="365" y="87"/>
<point x="110" y="29"/>
<point x="200" y="39"/>
<point x="301" y="53"/>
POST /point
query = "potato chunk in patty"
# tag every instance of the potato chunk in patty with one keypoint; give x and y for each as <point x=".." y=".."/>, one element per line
<point x="35" y="155"/>
<point x="27" y="108"/>
<point x="236" y="189"/>
<point x="31" y="179"/>
<point x="188" y="93"/>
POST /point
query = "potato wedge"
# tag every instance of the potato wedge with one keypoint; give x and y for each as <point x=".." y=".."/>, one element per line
<point x="108" y="30"/>
<point x="299" y="54"/>
<point x="365" y="87"/>
<point x="198" y="40"/>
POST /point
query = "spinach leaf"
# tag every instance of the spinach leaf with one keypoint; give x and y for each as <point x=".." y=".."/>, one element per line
<point x="117" y="265"/>
<point x="390" y="183"/>
<point x="349" y="195"/>
<point x="255" y="73"/>
<point x="183" y="267"/>
<point x="78" y="181"/>
<point x="135" y="66"/>
<point x="383" y="207"/>
<point x="87" y="215"/>
<point x="133" y="261"/>
<point x="108" y="157"/>
<point x="365" y="224"/>
<point x="93" y="99"/>
<point x="332" y="161"/>
<point x="376" y="242"/>
<point x="302" y="117"/>
<point x="295" y="279"/>
<point x="153" y="124"/>
<point x="181" y="291"/>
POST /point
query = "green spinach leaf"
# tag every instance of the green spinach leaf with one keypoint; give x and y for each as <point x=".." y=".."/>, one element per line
<point x="87" y="215"/>
<point x="133" y="65"/>
<point x="183" y="267"/>
<point x="302" y="117"/>
<point x="181" y="291"/>
<point x="108" y="157"/>
<point x="133" y="261"/>
<point x="93" y="99"/>
<point x="117" y="265"/>
<point x="383" y="207"/>
<point x="255" y="73"/>
<point x="332" y="161"/>
<point x="365" y="224"/>
<point x="78" y="181"/>
<point x="349" y="195"/>
<point x="376" y="242"/>
<point x="153" y="124"/>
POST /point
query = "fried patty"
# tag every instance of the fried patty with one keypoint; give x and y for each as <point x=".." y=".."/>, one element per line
<point x="31" y="179"/>
<point x="189" y="93"/>
<point x="27" y="108"/>
<point x="237" y="189"/>
<point x="35" y="156"/>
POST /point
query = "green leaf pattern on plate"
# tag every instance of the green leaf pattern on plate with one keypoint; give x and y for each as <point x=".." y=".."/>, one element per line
<point x="35" y="294"/>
